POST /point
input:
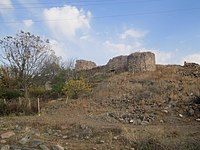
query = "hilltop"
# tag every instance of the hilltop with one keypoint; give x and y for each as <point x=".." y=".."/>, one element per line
<point x="146" y="109"/>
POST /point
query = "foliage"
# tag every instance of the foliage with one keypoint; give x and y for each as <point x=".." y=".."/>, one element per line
<point x="37" y="91"/>
<point x="76" y="87"/>
<point x="6" y="93"/>
<point x="56" y="72"/>
<point x="24" y="54"/>
<point x="99" y="78"/>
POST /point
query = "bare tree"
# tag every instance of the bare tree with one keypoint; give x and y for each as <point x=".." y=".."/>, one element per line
<point x="25" y="54"/>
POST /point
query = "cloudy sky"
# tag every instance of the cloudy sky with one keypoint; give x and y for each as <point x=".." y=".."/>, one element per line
<point x="98" y="30"/>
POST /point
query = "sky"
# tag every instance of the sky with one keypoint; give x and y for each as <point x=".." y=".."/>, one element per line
<point x="99" y="30"/>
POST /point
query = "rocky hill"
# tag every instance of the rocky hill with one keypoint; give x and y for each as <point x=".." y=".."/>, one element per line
<point x="126" y="110"/>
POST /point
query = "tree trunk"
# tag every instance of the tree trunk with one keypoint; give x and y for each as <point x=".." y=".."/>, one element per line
<point x="27" y="97"/>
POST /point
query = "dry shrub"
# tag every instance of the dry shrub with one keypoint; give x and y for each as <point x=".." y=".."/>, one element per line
<point x="15" y="107"/>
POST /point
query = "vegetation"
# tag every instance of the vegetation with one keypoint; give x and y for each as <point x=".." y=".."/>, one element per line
<point x="28" y="64"/>
<point x="76" y="87"/>
<point x="24" y="55"/>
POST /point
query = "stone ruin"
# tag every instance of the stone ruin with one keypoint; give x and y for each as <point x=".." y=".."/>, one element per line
<point x="118" y="64"/>
<point x="191" y="69"/>
<point x="140" y="62"/>
<point x="84" y="65"/>
<point x="135" y="62"/>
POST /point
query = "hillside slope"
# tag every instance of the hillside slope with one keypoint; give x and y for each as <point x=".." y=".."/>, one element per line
<point x="144" y="111"/>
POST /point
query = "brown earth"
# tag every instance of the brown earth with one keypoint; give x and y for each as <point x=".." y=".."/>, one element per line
<point x="145" y="111"/>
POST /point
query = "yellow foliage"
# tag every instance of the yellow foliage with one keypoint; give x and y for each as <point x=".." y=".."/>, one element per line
<point x="75" y="88"/>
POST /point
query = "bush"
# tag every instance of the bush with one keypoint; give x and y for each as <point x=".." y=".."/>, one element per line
<point x="13" y="107"/>
<point x="37" y="91"/>
<point x="75" y="88"/>
<point x="9" y="93"/>
<point x="58" y="87"/>
<point x="98" y="78"/>
<point x="149" y="144"/>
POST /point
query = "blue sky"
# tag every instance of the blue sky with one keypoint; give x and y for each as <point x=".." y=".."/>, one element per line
<point x="99" y="30"/>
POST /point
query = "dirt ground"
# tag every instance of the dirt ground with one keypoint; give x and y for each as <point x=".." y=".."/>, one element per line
<point x="151" y="111"/>
<point x="73" y="125"/>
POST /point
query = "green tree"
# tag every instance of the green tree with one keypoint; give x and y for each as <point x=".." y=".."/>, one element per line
<point x="25" y="54"/>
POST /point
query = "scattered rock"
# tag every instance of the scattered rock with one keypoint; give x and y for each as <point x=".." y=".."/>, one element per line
<point x="25" y="139"/>
<point x="5" y="147"/>
<point x="180" y="115"/>
<point x="44" y="147"/>
<point x="3" y="141"/>
<point x="165" y="111"/>
<point x="161" y="121"/>
<point x="198" y="119"/>
<point x="144" y="123"/>
<point x="7" y="135"/>
<point x="191" y="112"/>
<point x="58" y="147"/>
<point x="102" y="141"/>
<point x="65" y="137"/>
<point x="36" y="143"/>
<point x="115" y="137"/>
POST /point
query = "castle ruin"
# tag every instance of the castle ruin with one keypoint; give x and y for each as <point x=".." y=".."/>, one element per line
<point x="135" y="62"/>
<point x="84" y="65"/>
<point x="140" y="62"/>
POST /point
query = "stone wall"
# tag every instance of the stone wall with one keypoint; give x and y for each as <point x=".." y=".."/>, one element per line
<point x="84" y="65"/>
<point x="117" y="64"/>
<point x="140" y="62"/>
<point x="135" y="62"/>
<point x="191" y="69"/>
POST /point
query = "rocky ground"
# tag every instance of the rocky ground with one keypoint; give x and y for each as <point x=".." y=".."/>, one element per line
<point x="156" y="110"/>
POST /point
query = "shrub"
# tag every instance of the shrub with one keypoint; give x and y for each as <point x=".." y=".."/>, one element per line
<point x="37" y="91"/>
<point x="9" y="93"/>
<point x="58" y="87"/>
<point x="149" y="144"/>
<point x="98" y="78"/>
<point x="75" y="88"/>
<point x="15" y="108"/>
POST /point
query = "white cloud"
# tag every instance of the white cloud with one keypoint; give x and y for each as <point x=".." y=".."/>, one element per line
<point x="58" y="48"/>
<point x="118" y="48"/>
<point x="6" y="6"/>
<point x="122" y="48"/>
<point x="28" y="23"/>
<point x="192" y="58"/>
<point x="84" y="37"/>
<point x="67" y="21"/>
<point x="162" y="57"/>
<point x="133" y="33"/>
